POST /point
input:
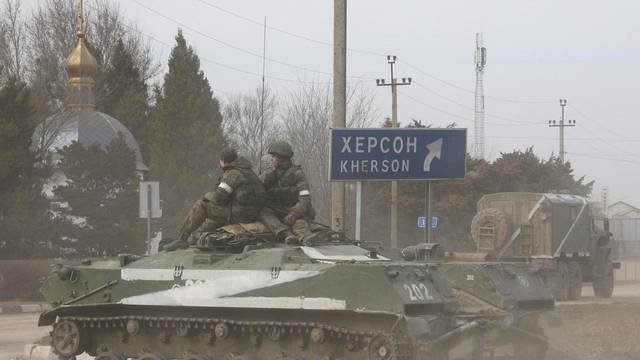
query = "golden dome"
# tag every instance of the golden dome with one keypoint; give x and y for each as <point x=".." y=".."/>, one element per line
<point x="81" y="64"/>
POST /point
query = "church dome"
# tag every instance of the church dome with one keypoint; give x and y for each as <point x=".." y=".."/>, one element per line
<point x="86" y="127"/>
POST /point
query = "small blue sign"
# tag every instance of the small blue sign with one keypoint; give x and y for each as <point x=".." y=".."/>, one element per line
<point x="422" y="222"/>
<point x="398" y="154"/>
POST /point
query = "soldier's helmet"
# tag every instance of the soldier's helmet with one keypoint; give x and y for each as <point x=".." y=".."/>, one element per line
<point x="281" y="148"/>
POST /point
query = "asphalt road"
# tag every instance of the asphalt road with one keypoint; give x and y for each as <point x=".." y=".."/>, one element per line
<point x="17" y="330"/>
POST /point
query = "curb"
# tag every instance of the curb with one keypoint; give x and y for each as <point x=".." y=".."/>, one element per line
<point x="44" y="352"/>
<point x="26" y="308"/>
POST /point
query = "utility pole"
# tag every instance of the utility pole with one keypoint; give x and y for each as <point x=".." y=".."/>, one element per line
<point x="391" y="59"/>
<point x="605" y="202"/>
<point x="264" y="49"/>
<point x="339" y="119"/>
<point x="561" y="126"/>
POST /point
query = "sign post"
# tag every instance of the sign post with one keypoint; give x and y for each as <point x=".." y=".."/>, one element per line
<point x="149" y="205"/>
<point x="358" y="210"/>
<point x="388" y="154"/>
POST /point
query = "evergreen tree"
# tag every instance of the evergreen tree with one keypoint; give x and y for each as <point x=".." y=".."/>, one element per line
<point x="185" y="135"/>
<point x="123" y="93"/>
<point x="27" y="228"/>
<point x="100" y="197"/>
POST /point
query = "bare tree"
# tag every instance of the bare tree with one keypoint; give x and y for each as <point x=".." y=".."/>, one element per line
<point x="242" y="123"/>
<point x="306" y="116"/>
<point x="51" y="38"/>
<point x="12" y="40"/>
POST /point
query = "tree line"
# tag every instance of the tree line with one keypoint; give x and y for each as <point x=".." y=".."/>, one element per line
<point x="181" y="126"/>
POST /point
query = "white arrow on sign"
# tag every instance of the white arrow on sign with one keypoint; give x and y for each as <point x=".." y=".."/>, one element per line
<point x="435" y="151"/>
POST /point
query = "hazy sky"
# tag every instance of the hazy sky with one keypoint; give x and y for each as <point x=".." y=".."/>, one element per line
<point x="538" y="51"/>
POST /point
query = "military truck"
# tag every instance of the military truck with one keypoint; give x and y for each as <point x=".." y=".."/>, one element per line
<point x="556" y="232"/>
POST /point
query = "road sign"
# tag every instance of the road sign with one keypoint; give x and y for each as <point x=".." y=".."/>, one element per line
<point x="422" y="222"/>
<point x="398" y="154"/>
<point x="150" y="199"/>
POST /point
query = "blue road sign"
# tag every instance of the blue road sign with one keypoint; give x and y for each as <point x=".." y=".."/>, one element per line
<point x="422" y="222"/>
<point x="398" y="154"/>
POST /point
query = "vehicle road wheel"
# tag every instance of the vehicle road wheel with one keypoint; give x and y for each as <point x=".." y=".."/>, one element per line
<point x="67" y="340"/>
<point x="560" y="281"/>
<point x="149" y="356"/>
<point x="382" y="347"/>
<point x="603" y="286"/>
<point x="188" y="355"/>
<point x="575" y="280"/>
<point x="109" y="355"/>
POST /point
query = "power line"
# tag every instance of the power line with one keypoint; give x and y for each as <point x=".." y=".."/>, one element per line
<point x="552" y="139"/>
<point x="224" y="65"/>
<point x="302" y="37"/>
<point x="462" y="117"/>
<point x="237" y="48"/>
<point x="596" y="122"/>
<point x="611" y="142"/>
<point x="472" y="108"/>
<point x="473" y="92"/>
<point x="600" y="157"/>
<point x="368" y="52"/>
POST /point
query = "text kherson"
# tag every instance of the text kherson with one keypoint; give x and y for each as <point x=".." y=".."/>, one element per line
<point x="374" y="166"/>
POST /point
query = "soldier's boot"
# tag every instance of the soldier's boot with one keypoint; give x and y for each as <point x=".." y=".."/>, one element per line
<point x="312" y="238"/>
<point x="288" y="237"/>
<point x="196" y="216"/>
<point x="179" y="243"/>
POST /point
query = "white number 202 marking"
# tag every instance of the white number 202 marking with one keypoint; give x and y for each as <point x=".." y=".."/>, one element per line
<point x="418" y="292"/>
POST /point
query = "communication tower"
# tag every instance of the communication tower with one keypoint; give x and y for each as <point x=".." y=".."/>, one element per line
<point x="478" y="135"/>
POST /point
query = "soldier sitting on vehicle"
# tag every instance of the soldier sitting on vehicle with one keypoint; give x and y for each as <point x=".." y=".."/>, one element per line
<point x="238" y="199"/>
<point x="288" y="208"/>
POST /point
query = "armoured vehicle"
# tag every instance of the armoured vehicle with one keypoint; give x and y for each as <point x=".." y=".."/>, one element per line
<point x="237" y="294"/>
<point x="556" y="232"/>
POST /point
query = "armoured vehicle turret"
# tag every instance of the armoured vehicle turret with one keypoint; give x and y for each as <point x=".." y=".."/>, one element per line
<point x="237" y="294"/>
<point x="556" y="232"/>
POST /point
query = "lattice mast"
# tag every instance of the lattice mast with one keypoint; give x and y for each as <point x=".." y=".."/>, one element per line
<point x="478" y="135"/>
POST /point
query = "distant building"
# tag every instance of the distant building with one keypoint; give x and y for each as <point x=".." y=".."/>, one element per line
<point x="80" y="121"/>
<point x="623" y="210"/>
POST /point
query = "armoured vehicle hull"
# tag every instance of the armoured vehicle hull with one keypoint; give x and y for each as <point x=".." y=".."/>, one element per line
<point x="556" y="232"/>
<point x="331" y="300"/>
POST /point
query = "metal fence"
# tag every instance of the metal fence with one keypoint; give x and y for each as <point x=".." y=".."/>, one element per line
<point x="626" y="235"/>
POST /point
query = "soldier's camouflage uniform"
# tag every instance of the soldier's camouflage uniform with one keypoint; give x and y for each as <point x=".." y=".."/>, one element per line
<point x="238" y="198"/>
<point x="287" y="192"/>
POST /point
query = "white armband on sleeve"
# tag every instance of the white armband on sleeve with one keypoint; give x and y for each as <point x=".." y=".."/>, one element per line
<point x="226" y="187"/>
<point x="304" y="193"/>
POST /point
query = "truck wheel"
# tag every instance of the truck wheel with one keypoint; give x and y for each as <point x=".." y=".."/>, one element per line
<point x="559" y="282"/>
<point x="575" y="280"/>
<point x="489" y="229"/>
<point x="603" y="285"/>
